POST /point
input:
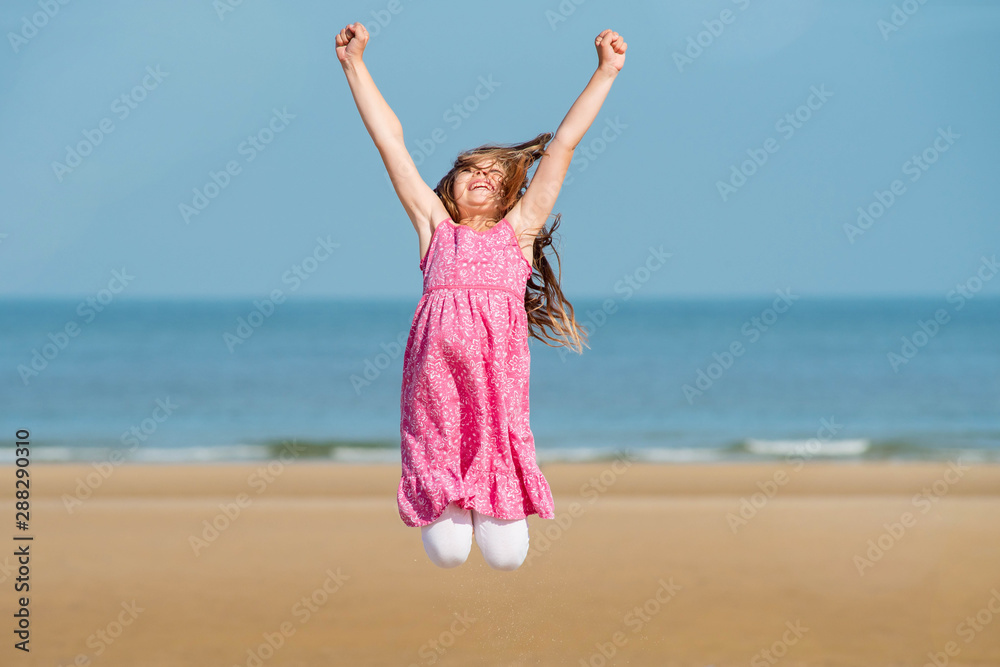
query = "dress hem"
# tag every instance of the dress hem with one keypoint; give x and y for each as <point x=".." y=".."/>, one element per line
<point x="481" y="500"/>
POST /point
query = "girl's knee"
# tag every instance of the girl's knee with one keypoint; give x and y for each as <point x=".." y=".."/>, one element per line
<point x="504" y="544"/>
<point x="504" y="559"/>
<point x="448" y="540"/>
<point x="447" y="555"/>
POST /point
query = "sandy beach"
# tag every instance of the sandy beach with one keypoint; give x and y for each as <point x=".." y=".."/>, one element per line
<point x="308" y="564"/>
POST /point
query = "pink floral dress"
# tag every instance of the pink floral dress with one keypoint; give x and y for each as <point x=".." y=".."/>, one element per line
<point x="464" y="428"/>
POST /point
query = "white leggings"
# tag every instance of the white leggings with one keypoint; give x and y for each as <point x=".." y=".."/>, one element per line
<point x="448" y="540"/>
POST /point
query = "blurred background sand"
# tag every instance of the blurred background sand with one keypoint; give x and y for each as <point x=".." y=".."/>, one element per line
<point x="644" y="551"/>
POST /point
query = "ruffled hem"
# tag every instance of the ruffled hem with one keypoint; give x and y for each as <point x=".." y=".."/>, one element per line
<point x="499" y="495"/>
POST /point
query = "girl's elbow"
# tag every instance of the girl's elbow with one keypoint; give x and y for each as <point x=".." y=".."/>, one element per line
<point x="563" y="142"/>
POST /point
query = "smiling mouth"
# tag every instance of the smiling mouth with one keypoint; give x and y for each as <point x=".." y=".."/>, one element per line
<point x="481" y="185"/>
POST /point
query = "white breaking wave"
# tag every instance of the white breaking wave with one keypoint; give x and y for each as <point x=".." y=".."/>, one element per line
<point x="806" y="448"/>
<point x="365" y="455"/>
<point x="572" y="454"/>
<point x="647" y="454"/>
<point x="677" y="455"/>
<point x="201" y="454"/>
<point x="222" y="453"/>
<point x="749" y="450"/>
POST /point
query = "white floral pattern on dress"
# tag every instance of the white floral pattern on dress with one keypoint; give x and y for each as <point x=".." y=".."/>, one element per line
<point x="464" y="409"/>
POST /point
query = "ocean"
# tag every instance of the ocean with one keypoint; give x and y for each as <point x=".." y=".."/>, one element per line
<point x="751" y="379"/>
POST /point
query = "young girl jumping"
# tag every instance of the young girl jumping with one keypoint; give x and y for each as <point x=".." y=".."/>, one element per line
<point x="468" y="454"/>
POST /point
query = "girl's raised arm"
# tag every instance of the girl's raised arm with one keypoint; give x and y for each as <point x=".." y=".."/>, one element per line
<point x="533" y="209"/>
<point x="418" y="199"/>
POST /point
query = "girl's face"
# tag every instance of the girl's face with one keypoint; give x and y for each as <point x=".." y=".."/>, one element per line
<point x="477" y="188"/>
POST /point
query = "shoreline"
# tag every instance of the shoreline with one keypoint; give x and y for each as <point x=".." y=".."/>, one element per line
<point x="765" y="452"/>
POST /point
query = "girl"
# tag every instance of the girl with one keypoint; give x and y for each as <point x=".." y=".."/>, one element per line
<point x="468" y="454"/>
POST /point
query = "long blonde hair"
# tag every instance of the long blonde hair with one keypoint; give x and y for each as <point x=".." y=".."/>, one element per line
<point x="550" y="314"/>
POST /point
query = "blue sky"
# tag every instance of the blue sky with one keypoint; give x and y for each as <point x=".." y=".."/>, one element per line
<point x="671" y="133"/>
